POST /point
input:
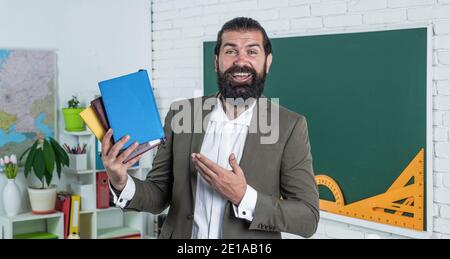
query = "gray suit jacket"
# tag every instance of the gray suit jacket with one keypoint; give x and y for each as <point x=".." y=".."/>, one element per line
<point x="281" y="173"/>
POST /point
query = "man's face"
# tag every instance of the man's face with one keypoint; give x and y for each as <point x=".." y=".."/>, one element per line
<point x="242" y="64"/>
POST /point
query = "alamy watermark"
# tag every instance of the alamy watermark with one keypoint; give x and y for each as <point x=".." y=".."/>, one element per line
<point x="193" y="116"/>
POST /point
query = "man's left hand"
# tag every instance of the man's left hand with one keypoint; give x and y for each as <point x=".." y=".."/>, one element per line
<point x="230" y="184"/>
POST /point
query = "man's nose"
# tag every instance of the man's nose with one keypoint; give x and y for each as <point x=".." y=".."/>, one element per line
<point x="241" y="60"/>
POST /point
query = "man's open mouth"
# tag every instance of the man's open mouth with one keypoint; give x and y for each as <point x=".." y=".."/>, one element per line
<point x="241" y="77"/>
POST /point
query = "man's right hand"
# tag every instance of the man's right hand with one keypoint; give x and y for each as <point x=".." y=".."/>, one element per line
<point x="114" y="163"/>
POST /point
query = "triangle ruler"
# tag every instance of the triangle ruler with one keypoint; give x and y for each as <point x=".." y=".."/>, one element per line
<point x="402" y="205"/>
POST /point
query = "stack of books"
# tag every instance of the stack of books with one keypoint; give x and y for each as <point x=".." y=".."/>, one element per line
<point x="128" y="106"/>
<point x="119" y="233"/>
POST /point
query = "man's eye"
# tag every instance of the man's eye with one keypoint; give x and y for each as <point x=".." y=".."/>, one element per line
<point x="253" y="52"/>
<point x="229" y="52"/>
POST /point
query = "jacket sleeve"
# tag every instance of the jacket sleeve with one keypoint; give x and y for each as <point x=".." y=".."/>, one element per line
<point x="297" y="211"/>
<point x="153" y="194"/>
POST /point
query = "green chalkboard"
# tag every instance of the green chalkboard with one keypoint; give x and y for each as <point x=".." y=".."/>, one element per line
<point x="363" y="95"/>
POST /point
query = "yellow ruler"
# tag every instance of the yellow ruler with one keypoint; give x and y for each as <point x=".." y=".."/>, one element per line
<point x="401" y="205"/>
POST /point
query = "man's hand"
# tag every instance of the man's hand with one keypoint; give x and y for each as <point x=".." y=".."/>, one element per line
<point x="115" y="168"/>
<point x="230" y="184"/>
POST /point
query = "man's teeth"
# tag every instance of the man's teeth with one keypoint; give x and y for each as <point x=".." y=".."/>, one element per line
<point x="241" y="74"/>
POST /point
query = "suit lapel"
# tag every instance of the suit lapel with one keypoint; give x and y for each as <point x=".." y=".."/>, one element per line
<point x="248" y="158"/>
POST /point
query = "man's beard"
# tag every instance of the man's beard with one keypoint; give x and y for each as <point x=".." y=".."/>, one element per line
<point x="230" y="89"/>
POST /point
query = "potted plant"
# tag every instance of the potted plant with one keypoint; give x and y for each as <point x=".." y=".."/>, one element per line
<point x="72" y="117"/>
<point x="11" y="192"/>
<point x="44" y="156"/>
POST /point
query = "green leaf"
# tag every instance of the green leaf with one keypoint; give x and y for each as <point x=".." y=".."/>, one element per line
<point x="59" y="151"/>
<point x="24" y="152"/>
<point x="58" y="166"/>
<point x="39" y="164"/>
<point x="49" y="156"/>
<point x="29" y="162"/>
<point x="48" y="177"/>
<point x="30" y="159"/>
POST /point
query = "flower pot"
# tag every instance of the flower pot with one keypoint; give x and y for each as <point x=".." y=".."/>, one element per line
<point x="11" y="198"/>
<point x="42" y="200"/>
<point x="73" y="120"/>
<point x="78" y="161"/>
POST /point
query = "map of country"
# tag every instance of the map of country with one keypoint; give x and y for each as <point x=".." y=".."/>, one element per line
<point x="27" y="91"/>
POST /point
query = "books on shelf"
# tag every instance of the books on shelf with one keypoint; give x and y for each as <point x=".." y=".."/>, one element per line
<point x="98" y="158"/>
<point x="70" y="205"/>
<point x="74" y="220"/>
<point x="119" y="233"/>
<point x="63" y="204"/>
<point x="103" y="197"/>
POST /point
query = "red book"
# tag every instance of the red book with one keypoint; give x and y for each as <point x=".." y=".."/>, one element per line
<point x="102" y="190"/>
<point x="63" y="204"/>
<point x="99" y="109"/>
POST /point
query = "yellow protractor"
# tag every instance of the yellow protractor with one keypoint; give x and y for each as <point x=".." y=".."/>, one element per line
<point x="328" y="182"/>
<point x="402" y="205"/>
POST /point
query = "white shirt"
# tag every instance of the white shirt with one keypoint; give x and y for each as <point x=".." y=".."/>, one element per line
<point x="222" y="137"/>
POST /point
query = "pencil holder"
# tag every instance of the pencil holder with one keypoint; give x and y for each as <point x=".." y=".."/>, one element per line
<point x="78" y="161"/>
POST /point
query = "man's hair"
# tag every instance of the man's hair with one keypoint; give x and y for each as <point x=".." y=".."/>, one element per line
<point x="243" y="24"/>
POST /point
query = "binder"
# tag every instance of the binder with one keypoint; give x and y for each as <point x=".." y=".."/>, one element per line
<point x="75" y="216"/>
<point x="63" y="204"/>
<point x="131" y="109"/>
<point x="98" y="156"/>
<point x="90" y="118"/>
<point x="102" y="190"/>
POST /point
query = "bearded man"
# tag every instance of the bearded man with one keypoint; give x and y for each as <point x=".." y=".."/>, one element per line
<point x="231" y="178"/>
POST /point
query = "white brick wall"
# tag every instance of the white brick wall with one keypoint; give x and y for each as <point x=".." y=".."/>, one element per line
<point x="388" y="16"/>
<point x="342" y="20"/>
<point x="180" y="25"/>
<point x="366" y="5"/>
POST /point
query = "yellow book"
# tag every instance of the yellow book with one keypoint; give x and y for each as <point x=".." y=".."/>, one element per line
<point x="74" y="222"/>
<point x="92" y="121"/>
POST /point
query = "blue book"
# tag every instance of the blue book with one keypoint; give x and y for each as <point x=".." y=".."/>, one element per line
<point x="131" y="110"/>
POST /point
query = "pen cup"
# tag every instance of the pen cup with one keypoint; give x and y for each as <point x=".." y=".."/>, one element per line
<point x="78" y="161"/>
